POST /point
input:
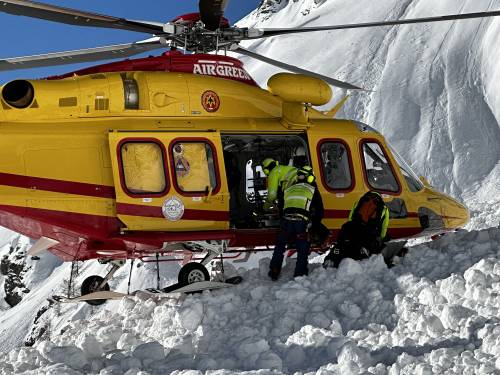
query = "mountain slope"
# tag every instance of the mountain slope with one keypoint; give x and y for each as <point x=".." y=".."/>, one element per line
<point x="433" y="86"/>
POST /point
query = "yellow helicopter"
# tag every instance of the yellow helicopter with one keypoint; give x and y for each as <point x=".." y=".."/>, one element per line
<point x="160" y="156"/>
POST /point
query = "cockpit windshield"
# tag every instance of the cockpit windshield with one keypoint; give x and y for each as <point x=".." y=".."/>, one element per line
<point x="412" y="180"/>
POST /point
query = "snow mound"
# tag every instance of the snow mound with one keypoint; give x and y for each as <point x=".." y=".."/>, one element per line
<point x="438" y="309"/>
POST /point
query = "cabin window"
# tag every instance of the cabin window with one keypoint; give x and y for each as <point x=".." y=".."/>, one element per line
<point x="379" y="173"/>
<point x="143" y="167"/>
<point x="194" y="166"/>
<point x="336" y="165"/>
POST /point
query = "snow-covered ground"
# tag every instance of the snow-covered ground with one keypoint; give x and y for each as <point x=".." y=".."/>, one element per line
<point x="437" y="311"/>
<point x="435" y="97"/>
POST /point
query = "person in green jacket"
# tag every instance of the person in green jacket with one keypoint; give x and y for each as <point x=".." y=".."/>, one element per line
<point x="364" y="234"/>
<point x="276" y="175"/>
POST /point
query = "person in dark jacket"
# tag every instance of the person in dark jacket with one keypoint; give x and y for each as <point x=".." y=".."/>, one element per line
<point x="364" y="233"/>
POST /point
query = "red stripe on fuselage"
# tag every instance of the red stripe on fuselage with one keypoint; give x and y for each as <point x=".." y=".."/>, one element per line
<point x="82" y="235"/>
<point x="84" y="224"/>
<point x="344" y="214"/>
<point x="58" y="186"/>
<point x="155" y="211"/>
<point x="336" y="214"/>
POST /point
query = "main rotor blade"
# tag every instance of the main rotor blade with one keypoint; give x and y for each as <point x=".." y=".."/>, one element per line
<point x="75" y="17"/>
<point x="81" y="55"/>
<point x="296" y="69"/>
<point x="264" y="33"/>
<point x="211" y="12"/>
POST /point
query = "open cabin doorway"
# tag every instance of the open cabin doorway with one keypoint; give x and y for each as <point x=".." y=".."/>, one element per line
<point x="243" y="156"/>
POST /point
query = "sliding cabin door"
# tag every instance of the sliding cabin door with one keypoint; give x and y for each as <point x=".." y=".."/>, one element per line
<point x="169" y="181"/>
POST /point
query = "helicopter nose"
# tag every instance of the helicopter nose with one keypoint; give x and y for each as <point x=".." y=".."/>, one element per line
<point x="456" y="214"/>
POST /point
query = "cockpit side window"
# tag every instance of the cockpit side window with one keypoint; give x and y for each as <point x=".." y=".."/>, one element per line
<point x="378" y="170"/>
<point x="413" y="182"/>
<point x="336" y="165"/>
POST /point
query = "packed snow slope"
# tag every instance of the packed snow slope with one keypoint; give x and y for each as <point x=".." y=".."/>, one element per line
<point x="434" y="90"/>
<point x="438" y="311"/>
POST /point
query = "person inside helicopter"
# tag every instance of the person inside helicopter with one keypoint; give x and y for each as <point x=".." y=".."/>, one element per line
<point x="278" y="176"/>
<point x="378" y="169"/>
<point x="364" y="234"/>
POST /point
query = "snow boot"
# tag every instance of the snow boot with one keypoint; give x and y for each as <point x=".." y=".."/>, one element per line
<point x="274" y="273"/>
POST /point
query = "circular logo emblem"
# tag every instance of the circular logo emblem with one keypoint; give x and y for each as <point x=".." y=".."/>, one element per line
<point x="173" y="209"/>
<point x="210" y="101"/>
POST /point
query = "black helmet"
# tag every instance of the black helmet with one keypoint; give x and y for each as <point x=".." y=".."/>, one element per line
<point x="306" y="174"/>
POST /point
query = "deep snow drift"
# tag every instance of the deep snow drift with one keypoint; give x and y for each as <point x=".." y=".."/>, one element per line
<point x="437" y="310"/>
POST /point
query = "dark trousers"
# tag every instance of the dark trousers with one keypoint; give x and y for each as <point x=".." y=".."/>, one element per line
<point x="295" y="230"/>
<point x="353" y="238"/>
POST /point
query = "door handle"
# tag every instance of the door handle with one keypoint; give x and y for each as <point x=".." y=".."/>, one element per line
<point x="208" y="192"/>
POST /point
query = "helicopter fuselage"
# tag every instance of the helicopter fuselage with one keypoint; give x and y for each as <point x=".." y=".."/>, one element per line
<point x="116" y="165"/>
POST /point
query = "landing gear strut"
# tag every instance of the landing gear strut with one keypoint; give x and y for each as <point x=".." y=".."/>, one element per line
<point x="193" y="277"/>
<point x="196" y="272"/>
<point x="93" y="284"/>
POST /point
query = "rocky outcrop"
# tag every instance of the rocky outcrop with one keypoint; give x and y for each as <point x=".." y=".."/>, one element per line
<point x="13" y="267"/>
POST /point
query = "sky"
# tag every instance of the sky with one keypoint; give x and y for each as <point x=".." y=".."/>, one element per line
<point x="24" y="36"/>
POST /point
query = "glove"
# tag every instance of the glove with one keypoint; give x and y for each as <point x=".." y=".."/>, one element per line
<point x="377" y="246"/>
<point x="333" y="259"/>
<point x="269" y="206"/>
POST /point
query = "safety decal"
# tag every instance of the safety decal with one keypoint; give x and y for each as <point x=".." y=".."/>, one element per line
<point x="210" y="101"/>
<point x="173" y="209"/>
<point x="182" y="167"/>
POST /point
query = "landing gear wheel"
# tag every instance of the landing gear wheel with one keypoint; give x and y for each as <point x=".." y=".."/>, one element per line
<point x="90" y="285"/>
<point x="193" y="273"/>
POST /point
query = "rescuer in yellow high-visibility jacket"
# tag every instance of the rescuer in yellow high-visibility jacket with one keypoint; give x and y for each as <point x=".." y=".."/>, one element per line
<point x="298" y="198"/>
<point x="276" y="175"/>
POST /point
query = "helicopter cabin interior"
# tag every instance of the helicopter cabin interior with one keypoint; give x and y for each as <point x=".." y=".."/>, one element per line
<point x="247" y="184"/>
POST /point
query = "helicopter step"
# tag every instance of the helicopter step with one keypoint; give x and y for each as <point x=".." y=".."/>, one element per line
<point x="168" y="291"/>
<point x="99" y="296"/>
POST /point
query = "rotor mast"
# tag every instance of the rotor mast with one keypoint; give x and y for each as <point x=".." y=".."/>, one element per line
<point x="203" y="32"/>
